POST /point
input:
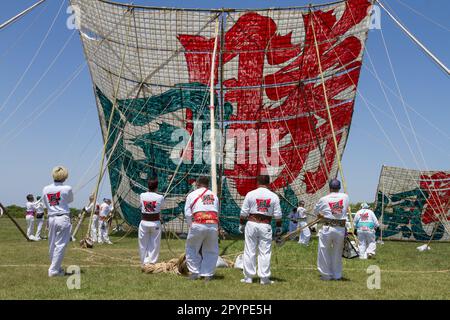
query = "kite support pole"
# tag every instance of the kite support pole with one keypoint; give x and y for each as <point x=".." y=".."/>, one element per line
<point x="283" y="239"/>
<point x="80" y="221"/>
<point x="14" y="221"/>
<point x="18" y="16"/>
<point x="415" y="40"/>
<point x="212" y="113"/>
<point x="330" y="119"/>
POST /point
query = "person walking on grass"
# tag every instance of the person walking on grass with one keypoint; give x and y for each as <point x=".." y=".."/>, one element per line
<point x="366" y="222"/>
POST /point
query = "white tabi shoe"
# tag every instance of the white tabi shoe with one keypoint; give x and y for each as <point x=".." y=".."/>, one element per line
<point x="247" y="280"/>
<point x="61" y="273"/>
<point x="265" y="281"/>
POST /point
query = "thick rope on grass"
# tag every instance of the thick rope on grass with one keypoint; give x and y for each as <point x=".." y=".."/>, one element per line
<point x="175" y="266"/>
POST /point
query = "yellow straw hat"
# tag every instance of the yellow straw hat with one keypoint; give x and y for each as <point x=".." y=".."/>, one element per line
<point x="60" y="174"/>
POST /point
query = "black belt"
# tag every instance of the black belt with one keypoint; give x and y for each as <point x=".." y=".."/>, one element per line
<point x="334" y="222"/>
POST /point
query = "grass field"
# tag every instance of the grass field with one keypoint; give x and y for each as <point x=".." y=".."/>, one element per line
<point x="112" y="272"/>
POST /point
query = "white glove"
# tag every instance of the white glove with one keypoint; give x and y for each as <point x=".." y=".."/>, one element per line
<point x="241" y="228"/>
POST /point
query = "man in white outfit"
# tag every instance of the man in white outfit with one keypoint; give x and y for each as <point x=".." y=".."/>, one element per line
<point x="39" y="205"/>
<point x="293" y="222"/>
<point x="332" y="208"/>
<point x="103" y="228"/>
<point x="305" y="234"/>
<point x="366" y="222"/>
<point x="94" y="223"/>
<point x="258" y="209"/>
<point x="57" y="197"/>
<point x="150" y="227"/>
<point x="201" y="211"/>
<point x="29" y="216"/>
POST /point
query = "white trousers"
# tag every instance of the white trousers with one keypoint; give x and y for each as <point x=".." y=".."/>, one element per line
<point x="40" y="224"/>
<point x="258" y="237"/>
<point x="58" y="238"/>
<point x="305" y="234"/>
<point x="292" y="227"/>
<point x="94" y="228"/>
<point x="367" y="243"/>
<point x="331" y="246"/>
<point x="202" y="237"/>
<point x="149" y="241"/>
<point x="30" y="226"/>
<point x="103" y="230"/>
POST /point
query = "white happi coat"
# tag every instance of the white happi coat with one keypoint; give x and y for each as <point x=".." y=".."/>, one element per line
<point x="366" y="222"/>
<point x="39" y="205"/>
<point x="30" y="213"/>
<point x="293" y="221"/>
<point x="258" y="236"/>
<point x="150" y="231"/>
<point x="103" y="231"/>
<point x="201" y="236"/>
<point x="331" y="238"/>
<point x="305" y="234"/>
<point x="94" y="219"/>
<point x="57" y="197"/>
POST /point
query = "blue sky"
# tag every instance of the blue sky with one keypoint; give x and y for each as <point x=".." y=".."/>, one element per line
<point x="41" y="125"/>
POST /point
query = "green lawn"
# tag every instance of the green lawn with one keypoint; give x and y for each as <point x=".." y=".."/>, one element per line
<point x="112" y="272"/>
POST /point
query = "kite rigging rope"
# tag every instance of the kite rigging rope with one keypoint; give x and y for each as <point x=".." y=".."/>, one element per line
<point x="407" y="116"/>
<point x="113" y="109"/>
<point x="416" y="41"/>
<point x="424" y="16"/>
<point x="191" y="135"/>
<point x="338" y="157"/>
<point x="382" y="129"/>
<point x="38" y="82"/>
<point x="374" y="73"/>
<point x="22" y="34"/>
<point x="33" y="59"/>
<point x="365" y="101"/>
<point x="400" y="96"/>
